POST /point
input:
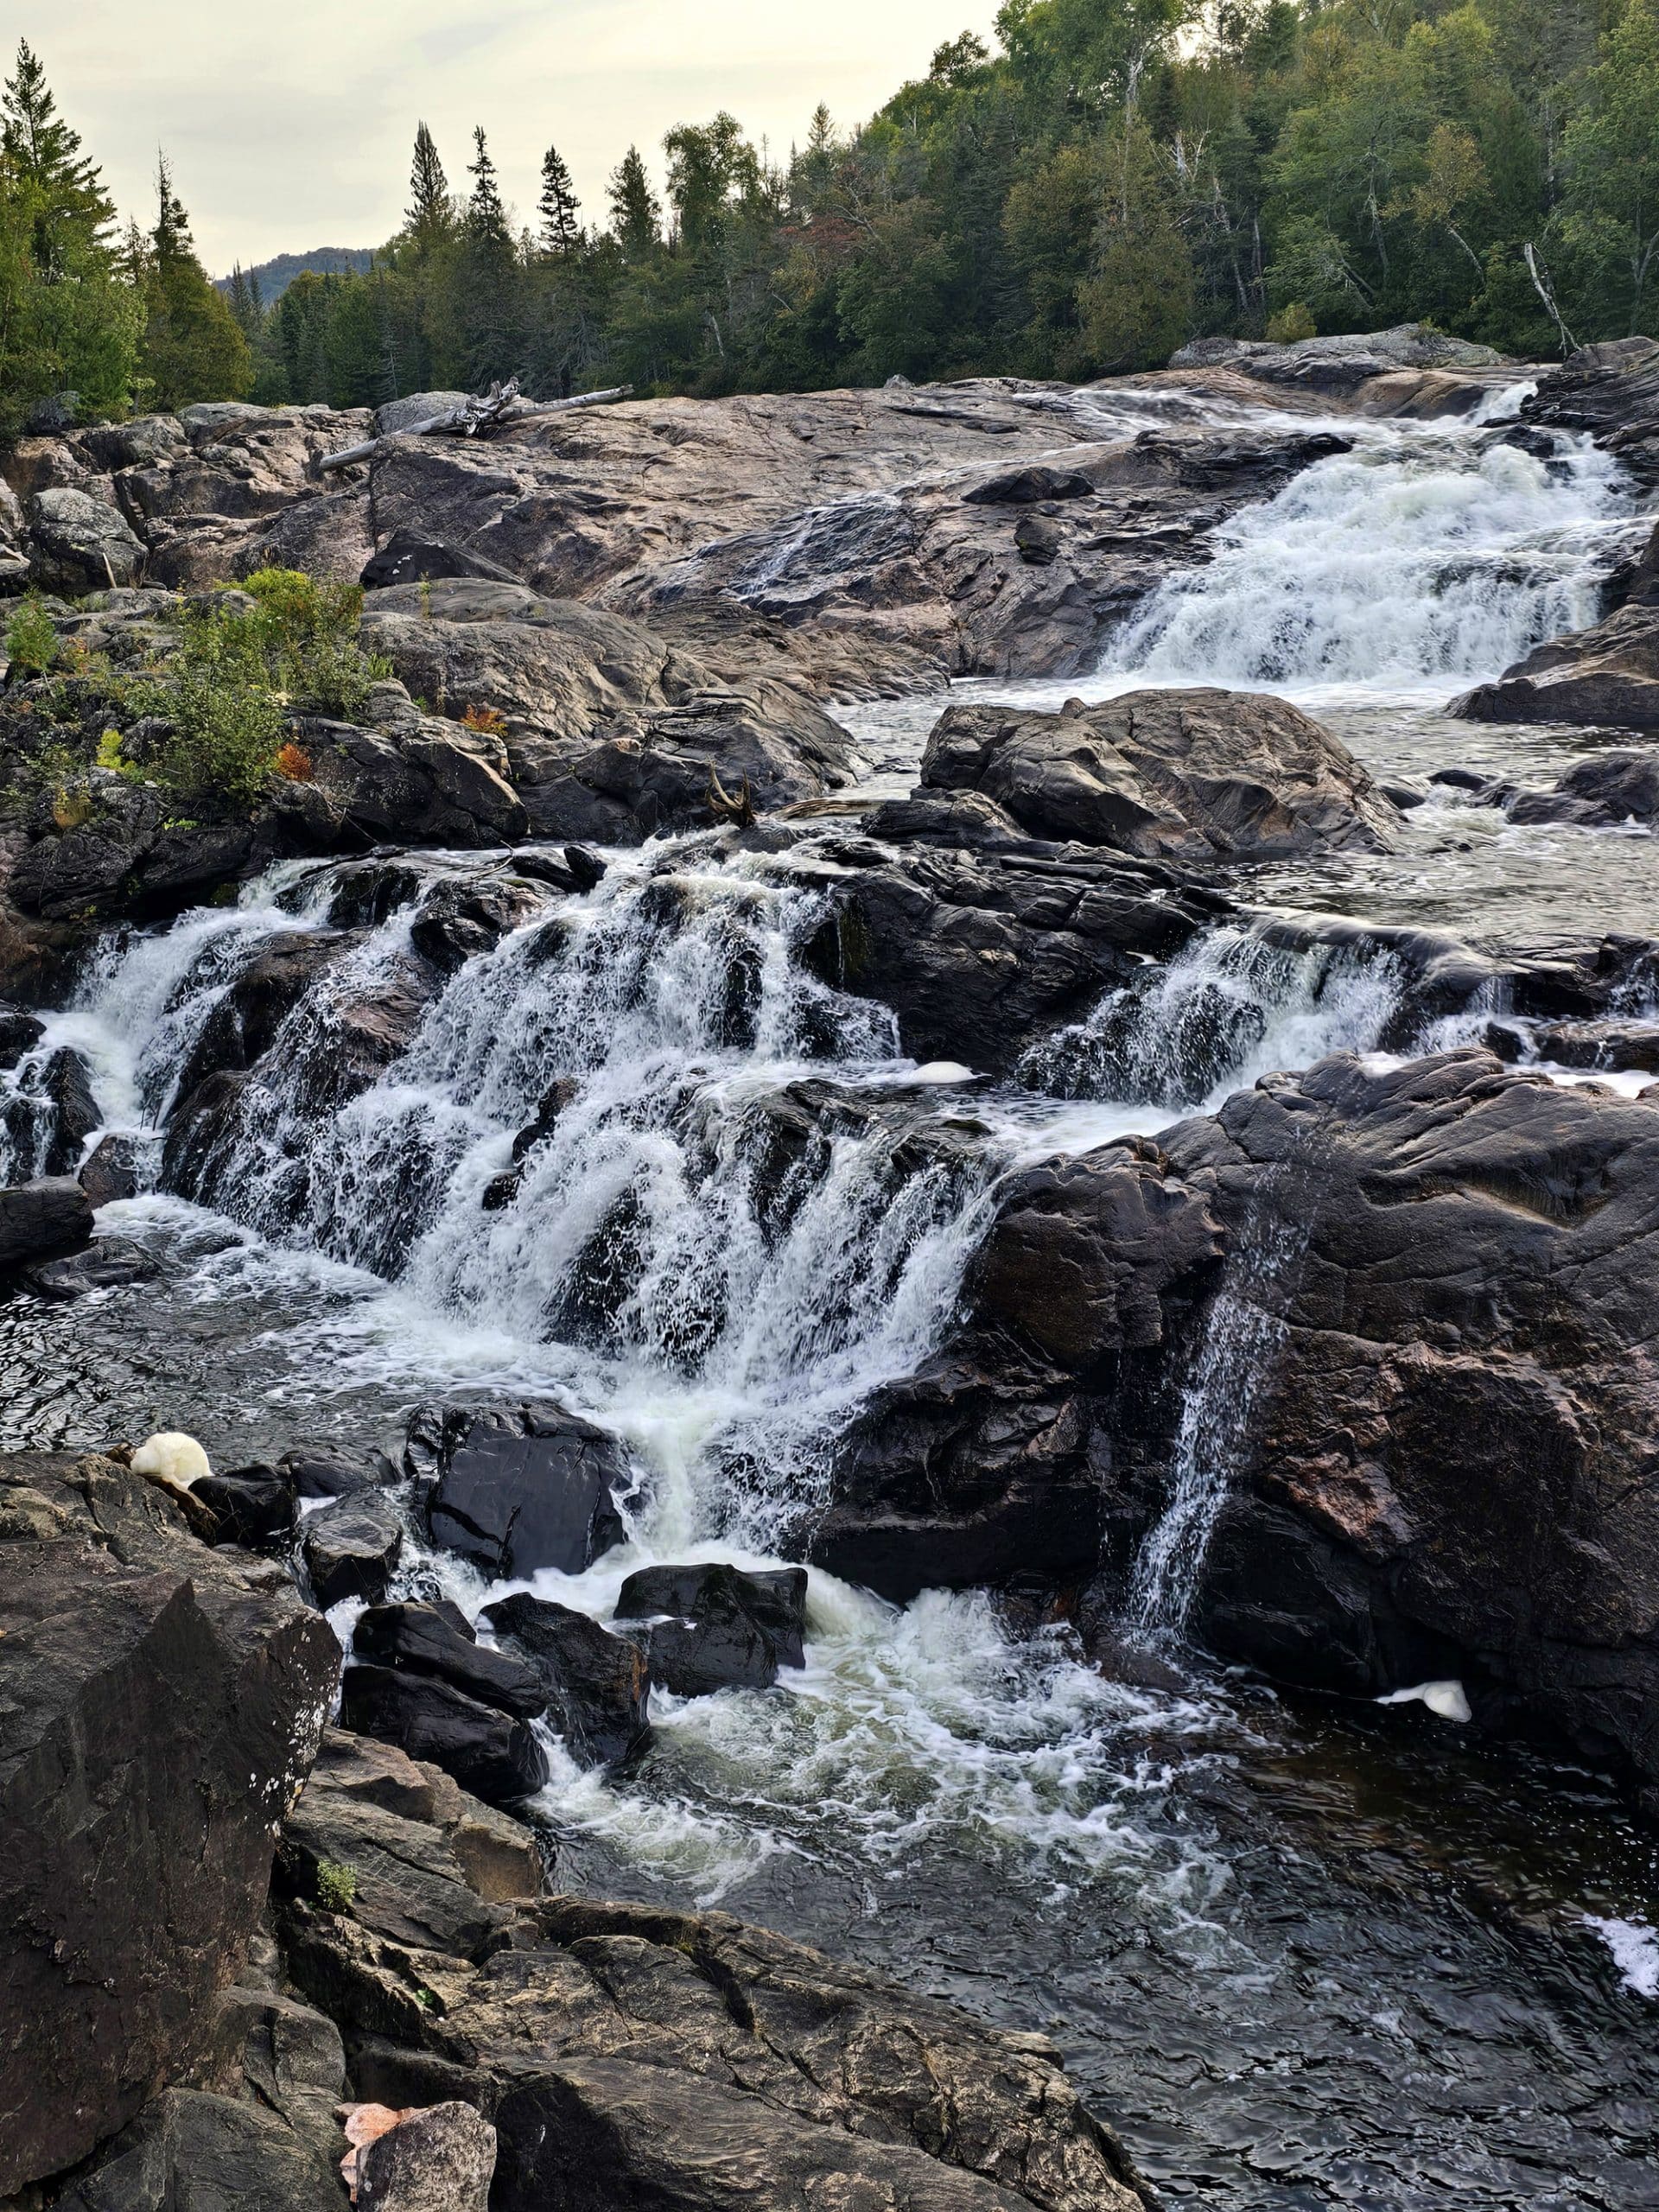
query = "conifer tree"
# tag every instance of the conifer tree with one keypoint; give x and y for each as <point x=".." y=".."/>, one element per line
<point x="193" y="347"/>
<point x="636" y="213"/>
<point x="487" y="291"/>
<point x="431" y="210"/>
<point x="559" y="206"/>
<point x="44" y="154"/>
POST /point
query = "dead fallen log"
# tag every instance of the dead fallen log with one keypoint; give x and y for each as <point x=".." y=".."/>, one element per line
<point x="495" y="409"/>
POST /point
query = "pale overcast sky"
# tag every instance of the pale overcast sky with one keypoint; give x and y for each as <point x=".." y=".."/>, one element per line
<point x="288" y="125"/>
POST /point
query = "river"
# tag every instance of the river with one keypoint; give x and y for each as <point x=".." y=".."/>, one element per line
<point x="1300" y="1951"/>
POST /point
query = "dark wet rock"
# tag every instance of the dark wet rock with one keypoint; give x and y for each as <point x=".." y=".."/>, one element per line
<point x="159" y="1709"/>
<point x="439" y="2159"/>
<point x="1601" y="792"/>
<point x="350" y="1548"/>
<point x="1600" y="1045"/>
<point x="597" y="1684"/>
<point x="86" y="867"/>
<point x="190" y="2148"/>
<point x="1446" y="1471"/>
<point x="428" y="781"/>
<point x="318" y="1471"/>
<point x="485" y="1750"/>
<point x="1026" y="487"/>
<point x="460" y="920"/>
<point x="425" y="1640"/>
<point x="408" y="558"/>
<point x="555" y="1100"/>
<point x="245" y="1021"/>
<point x="1165" y="774"/>
<point x="111" y="1172"/>
<point x="66" y="1083"/>
<point x="519" y="1491"/>
<point x="256" y="1507"/>
<point x="575" y="869"/>
<point x="1610" y="391"/>
<point x="1604" y="676"/>
<point x="715" y="1627"/>
<point x="79" y="543"/>
<point x="20" y="1031"/>
<point x="979" y="955"/>
<point x="1017" y="1447"/>
<point x="1038" y="540"/>
<point x="112" y="1263"/>
<point x="633" y="2055"/>
<point x="41" y="1219"/>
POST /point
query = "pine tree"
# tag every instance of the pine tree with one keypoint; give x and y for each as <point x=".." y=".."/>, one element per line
<point x="431" y="211"/>
<point x="193" y="347"/>
<point x="636" y="213"/>
<point x="487" y="276"/>
<point x="561" y="232"/>
<point x="44" y="154"/>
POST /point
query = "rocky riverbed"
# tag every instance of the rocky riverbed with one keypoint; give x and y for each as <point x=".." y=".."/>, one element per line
<point x="1001" y="1328"/>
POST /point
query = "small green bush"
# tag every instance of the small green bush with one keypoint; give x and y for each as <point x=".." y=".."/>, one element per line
<point x="1291" y="325"/>
<point x="336" y="1886"/>
<point x="31" y="641"/>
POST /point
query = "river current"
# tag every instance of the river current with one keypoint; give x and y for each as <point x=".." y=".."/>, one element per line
<point x="1302" y="1952"/>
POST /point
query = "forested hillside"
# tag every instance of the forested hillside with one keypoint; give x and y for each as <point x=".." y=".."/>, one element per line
<point x="1118" y="176"/>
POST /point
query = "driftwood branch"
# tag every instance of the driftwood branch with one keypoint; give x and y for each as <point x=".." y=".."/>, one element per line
<point x="495" y="409"/>
<point x="739" y="810"/>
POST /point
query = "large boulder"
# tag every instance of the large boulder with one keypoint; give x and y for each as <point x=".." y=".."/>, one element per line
<point x="79" y="543"/>
<point x="350" y="1548"/>
<point x="714" y="1627"/>
<point x="39" y="1220"/>
<point x="520" y="1490"/>
<point x="486" y="1750"/>
<point x="1444" y="1470"/>
<point x="159" y="1705"/>
<point x="1165" y="774"/>
<point x="1018" y="1447"/>
<point x="1606" y="676"/>
<point x="597" y="1685"/>
<point x="438" y="1640"/>
<point x="1339" y="366"/>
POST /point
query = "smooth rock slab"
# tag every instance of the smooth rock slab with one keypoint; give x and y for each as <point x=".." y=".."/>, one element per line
<point x="519" y="1490"/>
<point x="421" y="1640"/>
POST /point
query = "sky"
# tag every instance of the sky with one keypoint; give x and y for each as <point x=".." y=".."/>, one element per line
<point x="288" y="126"/>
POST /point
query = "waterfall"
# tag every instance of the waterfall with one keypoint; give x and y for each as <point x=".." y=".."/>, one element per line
<point x="1428" y="554"/>
<point x="1235" y="1006"/>
<point x="639" y="1137"/>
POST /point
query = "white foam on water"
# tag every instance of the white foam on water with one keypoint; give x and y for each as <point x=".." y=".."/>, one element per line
<point x="1635" y="1947"/>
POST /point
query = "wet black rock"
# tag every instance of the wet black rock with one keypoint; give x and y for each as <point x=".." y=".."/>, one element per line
<point x="408" y="558"/>
<point x="1601" y="792"/>
<point x="486" y="1750"/>
<point x="425" y="1640"/>
<point x="1447" y="1466"/>
<point x="66" y="1083"/>
<point x="41" y="1219"/>
<point x="597" y="1685"/>
<point x="1608" y="1044"/>
<point x="715" y="1627"/>
<point x="577" y="869"/>
<point x="351" y="1548"/>
<point x="256" y="1507"/>
<point x="1026" y="487"/>
<point x="1017" y="1447"/>
<point x="20" y="1031"/>
<point x="158" y="1707"/>
<point x="460" y="920"/>
<point x="1610" y="391"/>
<point x="112" y="1171"/>
<point x="190" y="2148"/>
<point x="521" y="1489"/>
<point x="112" y="1263"/>
<point x="315" y="1471"/>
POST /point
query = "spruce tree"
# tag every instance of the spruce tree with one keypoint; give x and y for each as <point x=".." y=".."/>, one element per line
<point x="486" y="276"/>
<point x="431" y="211"/>
<point x="44" y="154"/>
<point x="561" y="232"/>
<point x="636" y="213"/>
<point x="193" y="348"/>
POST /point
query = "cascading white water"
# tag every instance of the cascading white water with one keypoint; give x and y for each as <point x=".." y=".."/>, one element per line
<point x="1235" y="1005"/>
<point x="1430" y="555"/>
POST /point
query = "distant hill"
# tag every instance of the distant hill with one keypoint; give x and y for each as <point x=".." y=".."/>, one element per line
<point x="276" y="275"/>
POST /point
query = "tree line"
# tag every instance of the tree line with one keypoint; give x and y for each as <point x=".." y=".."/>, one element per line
<point x="1115" y="177"/>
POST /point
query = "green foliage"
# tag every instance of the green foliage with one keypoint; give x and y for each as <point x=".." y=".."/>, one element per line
<point x="1292" y="324"/>
<point x="336" y="1886"/>
<point x="193" y="347"/>
<point x="31" y="641"/>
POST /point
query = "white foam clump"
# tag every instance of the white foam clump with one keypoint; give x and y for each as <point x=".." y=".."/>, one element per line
<point x="1445" y="1698"/>
<point x="1635" y="1947"/>
<point x="172" y="1457"/>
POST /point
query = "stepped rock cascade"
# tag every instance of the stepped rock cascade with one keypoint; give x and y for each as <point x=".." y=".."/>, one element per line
<point x="904" y="1168"/>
